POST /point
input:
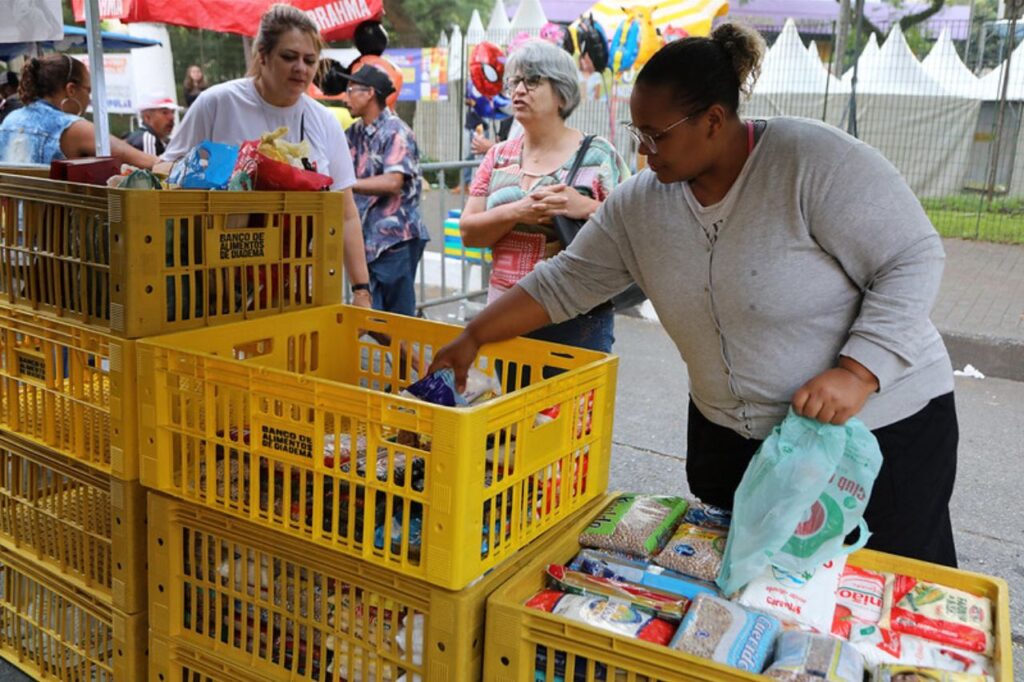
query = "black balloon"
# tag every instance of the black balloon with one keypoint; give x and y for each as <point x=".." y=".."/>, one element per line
<point x="329" y="77"/>
<point x="593" y="42"/>
<point x="371" y="38"/>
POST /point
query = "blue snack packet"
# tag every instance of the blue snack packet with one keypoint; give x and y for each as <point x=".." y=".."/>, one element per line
<point x="208" y="165"/>
<point x="437" y="388"/>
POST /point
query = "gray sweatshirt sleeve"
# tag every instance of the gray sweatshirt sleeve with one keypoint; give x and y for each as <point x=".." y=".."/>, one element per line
<point x="871" y="223"/>
<point x="586" y="274"/>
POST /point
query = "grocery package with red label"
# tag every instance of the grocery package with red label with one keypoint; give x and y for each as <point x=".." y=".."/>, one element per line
<point x="937" y="612"/>
<point x="635" y="524"/>
<point x="805" y="657"/>
<point x="858" y="599"/>
<point x="613" y="615"/>
<point x="658" y="603"/>
<point x="880" y="646"/>
<point x="721" y="631"/>
<point x="807" y="598"/>
<point x="908" y="673"/>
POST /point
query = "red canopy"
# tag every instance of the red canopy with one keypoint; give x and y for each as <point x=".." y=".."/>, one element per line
<point x="336" y="19"/>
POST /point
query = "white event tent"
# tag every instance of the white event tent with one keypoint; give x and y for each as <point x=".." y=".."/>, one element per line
<point x="944" y="65"/>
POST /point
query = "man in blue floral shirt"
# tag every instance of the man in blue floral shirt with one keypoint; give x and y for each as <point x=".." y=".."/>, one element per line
<point x="387" y="191"/>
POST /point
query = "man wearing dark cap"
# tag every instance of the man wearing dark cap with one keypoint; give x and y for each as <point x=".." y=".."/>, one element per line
<point x="9" y="100"/>
<point x="387" y="191"/>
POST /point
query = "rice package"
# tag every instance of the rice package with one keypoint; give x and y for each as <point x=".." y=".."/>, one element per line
<point x="807" y="598"/>
<point x="859" y="600"/>
<point x="612" y="615"/>
<point x="722" y="631"/>
<point x="694" y="551"/>
<point x="880" y="646"/>
<point x="635" y="524"/>
<point x="708" y="516"/>
<point x="909" y="673"/>
<point x="607" y="565"/>
<point x="936" y="612"/>
<point x="805" y="657"/>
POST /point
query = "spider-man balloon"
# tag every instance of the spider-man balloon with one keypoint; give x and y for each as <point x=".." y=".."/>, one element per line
<point x="487" y="69"/>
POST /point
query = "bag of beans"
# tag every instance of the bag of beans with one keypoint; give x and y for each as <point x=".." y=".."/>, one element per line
<point x="635" y="524"/>
<point x="804" y="657"/>
<point x="694" y="551"/>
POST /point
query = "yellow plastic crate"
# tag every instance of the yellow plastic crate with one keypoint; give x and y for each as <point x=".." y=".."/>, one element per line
<point x="259" y="420"/>
<point x="70" y="389"/>
<point x="75" y="521"/>
<point x="170" y="659"/>
<point x="284" y="609"/>
<point x="54" y="631"/>
<point x="517" y="634"/>
<point x="143" y="262"/>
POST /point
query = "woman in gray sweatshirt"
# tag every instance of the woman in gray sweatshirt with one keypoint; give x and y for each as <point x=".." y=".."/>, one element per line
<point x="791" y="265"/>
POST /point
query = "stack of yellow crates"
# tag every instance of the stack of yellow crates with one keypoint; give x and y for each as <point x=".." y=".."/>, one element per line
<point x="304" y="519"/>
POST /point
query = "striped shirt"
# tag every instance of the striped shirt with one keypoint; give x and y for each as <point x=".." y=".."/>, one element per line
<point x="144" y="139"/>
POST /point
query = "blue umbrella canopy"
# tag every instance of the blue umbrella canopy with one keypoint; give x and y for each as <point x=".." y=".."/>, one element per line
<point x="74" y="39"/>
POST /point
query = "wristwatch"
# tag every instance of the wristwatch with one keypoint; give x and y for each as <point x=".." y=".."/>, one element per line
<point x="362" y="286"/>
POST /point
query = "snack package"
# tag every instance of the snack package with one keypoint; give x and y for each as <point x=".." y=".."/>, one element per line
<point x="694" y="551"/>
<point x="807" y="598"/>
<point x="439" y="388"/>
<point x="909" y="673"/>
<point x="936" y="612"/>
<point x="272" y="163"/>
<point x="208" y="165"/>
<point x="635" y="524"/>
<point x="607" y="565"/>
<point x="661" y="604"/>
<point x="880" y="646"/>
<point x="708" y="516"/>
<point x="804" y="657"/>
<point x="859" y="600"/>
<point x="612" y="615"/>
<point x="724" y="632"/>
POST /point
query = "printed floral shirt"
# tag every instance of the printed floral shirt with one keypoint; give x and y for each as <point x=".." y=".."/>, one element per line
<point x="387" y="146"/>
<point x="499" y="179"/>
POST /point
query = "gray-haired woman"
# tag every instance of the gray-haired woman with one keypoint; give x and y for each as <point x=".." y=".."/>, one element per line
<point x="520" y="184"/>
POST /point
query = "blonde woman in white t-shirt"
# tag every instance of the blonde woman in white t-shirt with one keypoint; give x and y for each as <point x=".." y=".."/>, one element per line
<point x="286" y="55"/>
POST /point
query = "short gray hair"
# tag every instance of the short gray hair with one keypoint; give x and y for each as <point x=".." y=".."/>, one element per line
<point x="537" y="57"/>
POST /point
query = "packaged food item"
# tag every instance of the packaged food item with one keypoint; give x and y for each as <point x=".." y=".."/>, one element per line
<point x="694" y="551"/>
<point x="909" y="673"/>
<point x="613" y="615"/>
<point x="208" y="165"/>
<point x="439" y="388"/>
<point x="607" y="565"/>
<point x="859" y="599"/>
<point x="807" y="598"/>
<point x="881" y="646"/>
<point x="660" y="604"/>
<point x="722" y="631"/>
<point x="937" y="612"/>
<point x="635" y="524"/>
<point x="274" y="146"/>
<point x="708" y="516"/>
<point x="805" y="657"/>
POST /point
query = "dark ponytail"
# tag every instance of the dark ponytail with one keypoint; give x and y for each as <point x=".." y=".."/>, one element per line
<point x="705" y="71"/>
<point x="44" y="76"/>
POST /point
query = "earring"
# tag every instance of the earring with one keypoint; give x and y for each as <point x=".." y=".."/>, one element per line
<point x="81" y="110"/>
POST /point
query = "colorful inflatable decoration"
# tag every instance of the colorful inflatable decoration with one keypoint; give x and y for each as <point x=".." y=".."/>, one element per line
<point x="671" y="33"/>
<point x="487" y="69"/>
<point x="635" y="40"/>
<point x="586" y="37"/>
<point x="553" y="33"/>
<point x="387" y="67"/>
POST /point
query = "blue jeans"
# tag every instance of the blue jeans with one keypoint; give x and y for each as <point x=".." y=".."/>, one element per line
<point x="393" y="277"/>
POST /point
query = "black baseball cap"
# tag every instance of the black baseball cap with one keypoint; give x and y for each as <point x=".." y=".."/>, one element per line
<point x="373" y="77"/>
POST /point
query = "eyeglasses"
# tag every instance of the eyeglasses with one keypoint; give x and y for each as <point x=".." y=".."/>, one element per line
<point x="531" y="83"/>
<point x="357" y="88"/>
<point x="650" y="141"/>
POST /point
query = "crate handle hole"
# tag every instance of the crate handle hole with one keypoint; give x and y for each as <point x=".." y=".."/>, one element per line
<point x="505" y="661"/>
<point x="332" y="232"/>
<point x="148" y="239"/>
<point x="161" y="676"/>
<point x="160" y="588"/>
<point x="440" y="646"/>
<point x="149" y="288"/>
<point x="160" y="541"/>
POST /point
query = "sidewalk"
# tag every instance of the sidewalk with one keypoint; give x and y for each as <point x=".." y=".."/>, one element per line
<point x="980" y="309"/>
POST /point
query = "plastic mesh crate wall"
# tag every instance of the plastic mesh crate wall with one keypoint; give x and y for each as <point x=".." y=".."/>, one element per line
<point x="85" y="525"/>
<point x="142" y="262"/>
<point x="294" y="424"/>
<point x="283" y="609"/>
<point x="54" y="631"/>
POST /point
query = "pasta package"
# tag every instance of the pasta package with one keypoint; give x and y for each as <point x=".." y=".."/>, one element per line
<point x="635" y="524"/>
<point x="909" y="673"/>
<point x="724" y="632"/>
<point x="694" y="551"/>
<point x="936" y="612"/>
<point x="803" y="657"/>
<point x="612" y="615"/>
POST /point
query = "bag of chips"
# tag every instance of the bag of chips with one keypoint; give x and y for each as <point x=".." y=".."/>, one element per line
<point x="804" y="657"/>
<point x="612" y="615"/>
<point x="273" y="163"/>
<point x="721" y="631"/>
<point x="635" y="524"/>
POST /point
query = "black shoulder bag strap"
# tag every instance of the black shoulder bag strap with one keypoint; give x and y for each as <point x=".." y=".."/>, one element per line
<point x="568" y="228"/>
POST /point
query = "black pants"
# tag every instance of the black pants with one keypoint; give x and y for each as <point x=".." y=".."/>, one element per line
<point x="908" y="512"/>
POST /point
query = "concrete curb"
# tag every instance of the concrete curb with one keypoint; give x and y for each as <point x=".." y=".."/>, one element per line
<point x="994" y="356"/>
